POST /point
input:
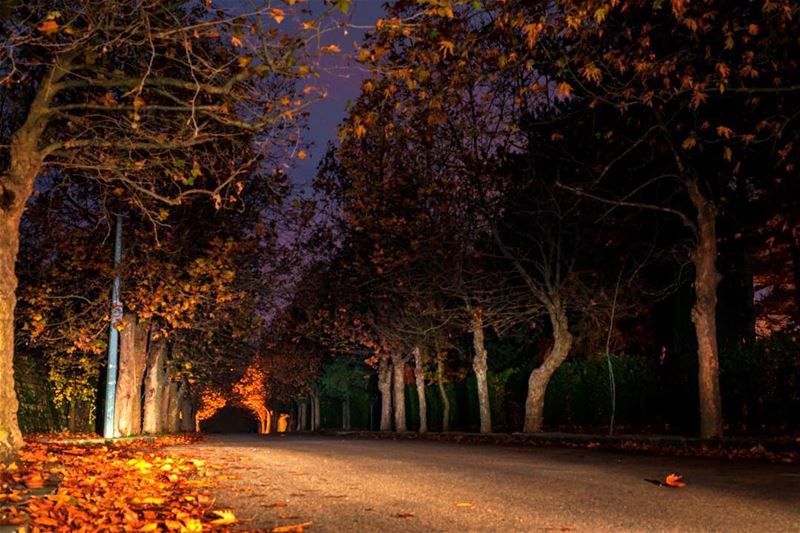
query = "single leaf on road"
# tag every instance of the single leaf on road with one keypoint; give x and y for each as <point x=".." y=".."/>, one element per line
<point x="675" y="480"/>
<point x="292" y="528"/>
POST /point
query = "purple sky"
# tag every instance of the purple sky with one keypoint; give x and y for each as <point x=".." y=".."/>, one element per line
<point x="341" y="78"/>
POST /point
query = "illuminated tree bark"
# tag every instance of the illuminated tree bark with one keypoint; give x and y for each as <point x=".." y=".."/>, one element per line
<point x="132" y="359"/>
<point x="480" y="366"/>
<point x="16" y="186"/>
<point x="154" y="388"/>
<point x="419" y="379"/>
<point x="385" y="388"/>
<point x="704" y="313"/>
<point x="540" y="377"/>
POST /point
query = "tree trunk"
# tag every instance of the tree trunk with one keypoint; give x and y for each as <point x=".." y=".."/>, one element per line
<point x="79" y="419"/>
<point x="399" y="393"/>
<point x="154" y="387"/>
<point x="443" y="392"/>
<point x="346" y="412"/>
<point x="185" y="410"/>
<point x="316" y="416"/>
<point x="794" y="246"/>
<point x="132" y="359"/>
<point x="385" y="388"/>
<point x="419" y="380"/>
<point x="16" y="185"/>
<point x="302" y="416"/>
<point x="480" y="365"/>
<point x="704" y="313"/>
<point x="10" y="435"/>
<point x="171" y="403"/>
<point x="540" y="377"/>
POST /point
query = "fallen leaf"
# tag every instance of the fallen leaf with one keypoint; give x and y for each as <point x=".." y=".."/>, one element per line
<point x="277" y="504"/>
<point x="34" y="481"/>
<point x="226" y="517"/>
<point x="46" y="521"/>
<point x="292" y="528"/>
<point x="674" y="480"/>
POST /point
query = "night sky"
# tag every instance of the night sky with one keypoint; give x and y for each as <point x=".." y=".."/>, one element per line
<point x="341" y="77"/>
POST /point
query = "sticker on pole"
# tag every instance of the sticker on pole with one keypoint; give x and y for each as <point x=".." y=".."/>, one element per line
<point x="116" y="312"/>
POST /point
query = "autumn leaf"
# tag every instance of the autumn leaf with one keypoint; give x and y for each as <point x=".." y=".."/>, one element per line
<point x="46" y="521"/>
<point x="724" y="131"/>
<point x="674" y="480"/>
<point x="292" y="528"/>
<point x="330" y="49"/>
<point x="193" y="525"/>
<point x="689" y="142"/>
<point x="138" y="102"/>
<point x="446" y="47"/>
<point x="48" y="26"/>
<point x="727" y="153"/>
<point x="591" y="73"/>
<point x="276" y="14"/>
<point x="34" y="481"/>
<point x="531" y="32"/>
<point x="698" y="98"/>
<point x="302" y="154"/>
<point x="236" y="41"/>
<point x="563" y="90"/>
<point x="226" y="518"/>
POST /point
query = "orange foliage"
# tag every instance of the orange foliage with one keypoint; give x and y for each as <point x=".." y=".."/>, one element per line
<point x="128" y="486"/>
<point x="252" y="392"/>
<point x="211" y="401"/>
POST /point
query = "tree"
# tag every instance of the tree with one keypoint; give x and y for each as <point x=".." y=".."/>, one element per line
<point x="251" y="392"/>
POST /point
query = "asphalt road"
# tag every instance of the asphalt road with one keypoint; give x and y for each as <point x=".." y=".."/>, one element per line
<point x="349" y="485"/>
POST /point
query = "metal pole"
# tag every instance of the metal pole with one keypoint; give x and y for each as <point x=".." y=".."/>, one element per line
<point x="113" y="340"/>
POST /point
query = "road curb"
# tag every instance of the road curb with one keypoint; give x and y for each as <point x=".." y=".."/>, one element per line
<point x="773" y="449"/>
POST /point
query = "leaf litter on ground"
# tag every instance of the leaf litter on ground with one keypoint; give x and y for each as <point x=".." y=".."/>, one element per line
<point x="132" y="485"/>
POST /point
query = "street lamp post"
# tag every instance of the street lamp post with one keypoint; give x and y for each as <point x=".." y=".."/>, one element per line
<point x="113" y="340"/>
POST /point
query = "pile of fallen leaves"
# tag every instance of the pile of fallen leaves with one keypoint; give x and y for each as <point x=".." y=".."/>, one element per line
<point x="126" y="486"/>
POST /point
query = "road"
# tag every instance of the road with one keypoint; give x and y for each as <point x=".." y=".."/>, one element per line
<point x="351" y="485"/>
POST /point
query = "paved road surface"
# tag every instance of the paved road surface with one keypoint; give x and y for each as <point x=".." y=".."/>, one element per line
<point x="350" y="485"/>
